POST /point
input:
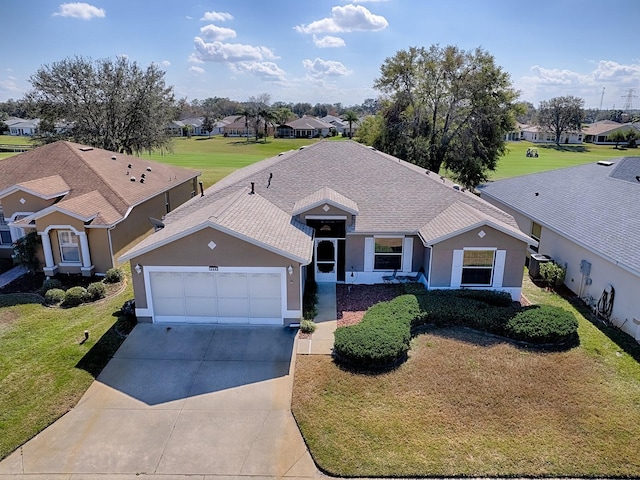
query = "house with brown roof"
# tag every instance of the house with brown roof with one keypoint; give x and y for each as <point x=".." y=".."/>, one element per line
<point x="330" y="212"/>
<point x="305" y="127"/>
<point x="598" y="132"/>
<point x="88" y="205"/>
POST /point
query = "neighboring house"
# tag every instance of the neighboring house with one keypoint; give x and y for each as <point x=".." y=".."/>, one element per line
<point x="331" y="212"/>
<point x="305" y="127"/>
<point x="86" y="204"/>
<point x="340" y="126"/>
<point x="24" y="127"/>
<point x="238" y="128"/>
<point x="195" y="124"/>
<point x="535" y="134"/>
<point x="175" y="128"/>
<point x="598" y="132"/>
<point x="587" y="217"/>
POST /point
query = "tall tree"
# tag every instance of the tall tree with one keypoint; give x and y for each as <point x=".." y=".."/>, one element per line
<point x="207" y="125"/>
<point x="112" y="104"/>
<point x="561" y="115"/>
<point x="446" y="107"/>
<point x="352" y="118"/>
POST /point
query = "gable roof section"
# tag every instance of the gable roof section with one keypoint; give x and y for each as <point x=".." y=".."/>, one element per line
<point x="459" y="218"/>
<point x="325" y="195"/>
<point x="79" y="170"/>
<point x="308" y="123"/>
<point x="246" y="216"/>
<point x="593" y="205"/>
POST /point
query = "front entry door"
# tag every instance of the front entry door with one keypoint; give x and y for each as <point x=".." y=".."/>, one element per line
<point x="326" y="260"/>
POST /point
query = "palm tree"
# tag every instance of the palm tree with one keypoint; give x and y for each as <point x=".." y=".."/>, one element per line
<point x="245" y="113"/>
<point x="268" y="116"/>
<point x="351" y="117"/>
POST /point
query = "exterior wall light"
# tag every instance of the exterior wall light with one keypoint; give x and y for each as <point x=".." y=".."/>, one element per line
<point x="290" y="270"/>
<point x="138" y="268"/>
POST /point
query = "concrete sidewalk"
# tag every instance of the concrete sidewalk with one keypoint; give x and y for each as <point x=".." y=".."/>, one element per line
<point x="10" y="275"/>
<point x="321" y="341"/>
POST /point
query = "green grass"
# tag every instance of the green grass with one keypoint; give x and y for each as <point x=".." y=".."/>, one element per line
<point x="467" y="404"/>
<point x="516" y="163"/>
<point x="44" y="369"/>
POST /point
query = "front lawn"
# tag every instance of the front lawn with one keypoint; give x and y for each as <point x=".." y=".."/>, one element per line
<point x="470" y="404"/>
<point x="45" y="368"/>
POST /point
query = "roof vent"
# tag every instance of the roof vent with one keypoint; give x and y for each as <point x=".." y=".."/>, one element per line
<point x="133" y="179"/>
<point x="605" y="163"/>
<point x="456" y="186"/>
<point x="637" y="178"/>
<point x="143" y="176"/>
<point x="129" y="166"/>
<point x="302" y="147"/>
<point x="86" y="149"/>
<point x="113" y="157"/>
<point x="148" y="169"/>
<point x="142" y="180"/>
<point x="157" y="224"/>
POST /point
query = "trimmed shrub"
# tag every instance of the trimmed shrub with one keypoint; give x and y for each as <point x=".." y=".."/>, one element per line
<point x="75" y="296"/>
<point x="54" y="296"/>
<point x="542" y="325"/>
<point x="113" y="275"/>
<point x="552" y="274"/>
<point x="50" y="283"/>
<point x="307" y="326"/>
<point x="96" y="291"/>
<point x="381" y="338"/>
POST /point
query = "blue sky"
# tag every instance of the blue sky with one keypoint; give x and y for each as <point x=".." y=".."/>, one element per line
<point x="329" y="51"/>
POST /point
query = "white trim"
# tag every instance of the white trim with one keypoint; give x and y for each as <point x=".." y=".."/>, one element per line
<point x="499" y="263"/>
<point x="483" y="223"/>
<point x="19" y="188"/>
<point x="407" y="254"/>
<point x="325" y="217"/>
<point x="401" y="255"/>
<point x="456" y="268"/>
<point x="369" y="247"/>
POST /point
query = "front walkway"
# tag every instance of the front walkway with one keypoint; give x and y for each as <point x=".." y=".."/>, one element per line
<point x="321" y="342"/>
<point x="10" y="275"/>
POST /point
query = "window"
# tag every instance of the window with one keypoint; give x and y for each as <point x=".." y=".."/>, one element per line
<point x="536" y="232"/>
<point x="477" y="267"/>
<point x="388" y="254"/>
<point x="2" y="219"/>
<point x="69" y="249"/>
<point x="5" y="237"/>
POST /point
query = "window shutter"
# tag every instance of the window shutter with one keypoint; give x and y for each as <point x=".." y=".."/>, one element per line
<point x="498" y="268"/>
<point x="369" y="245"/>
<point x="407" y="254"/>
<point x="456" y="268"/>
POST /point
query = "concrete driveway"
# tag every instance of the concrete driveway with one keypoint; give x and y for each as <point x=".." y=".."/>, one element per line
<point x="178" y="400"/>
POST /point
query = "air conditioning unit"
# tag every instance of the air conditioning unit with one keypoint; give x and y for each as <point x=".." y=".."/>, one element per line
<point x="534" y="264"/>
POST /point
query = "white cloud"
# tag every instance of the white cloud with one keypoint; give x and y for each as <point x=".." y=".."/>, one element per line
<point x="328" y="42"/>
<point x="268" y="71"/>
<point x="80" y="10"/>
<point x="195" y="69"/>
<point x="216" y="16"/>
<point x="319" y="68"/>
<point x="165" y="63"/>
<point x="229" y="52"/>
<point x="214" y="33"/>
<point x="350" y="18"/>
<point x="194" y="58"/>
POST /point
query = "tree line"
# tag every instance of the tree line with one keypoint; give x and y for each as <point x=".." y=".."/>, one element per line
<point x="439" y="107"/>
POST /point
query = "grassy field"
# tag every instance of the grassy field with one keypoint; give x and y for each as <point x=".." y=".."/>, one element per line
<point x="44" y="369"/>
<point x="467" y="404"/>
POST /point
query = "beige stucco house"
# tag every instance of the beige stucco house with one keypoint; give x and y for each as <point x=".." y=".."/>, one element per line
<point x="87" y="205"/>
<point x="331" y="212"/>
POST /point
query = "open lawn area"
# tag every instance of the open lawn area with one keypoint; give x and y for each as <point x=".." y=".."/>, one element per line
<point x="45" y="368"/>
<point x="470" y="404"/>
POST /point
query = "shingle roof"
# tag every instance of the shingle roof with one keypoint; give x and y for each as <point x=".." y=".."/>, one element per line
<point x="84" y="169"/>
<point x="596" y="206"/>
<point x="604" y="126"/>
<point x="308" y="123"/>
<point x="388" y="195"/>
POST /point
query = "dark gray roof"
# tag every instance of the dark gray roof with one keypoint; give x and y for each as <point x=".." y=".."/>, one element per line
<point x="596" y="206"/>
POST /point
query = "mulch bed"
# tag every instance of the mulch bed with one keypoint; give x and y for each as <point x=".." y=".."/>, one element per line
<point x="354" y="300"/>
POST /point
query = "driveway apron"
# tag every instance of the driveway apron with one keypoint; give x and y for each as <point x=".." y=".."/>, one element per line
<point x="174" y="400"/>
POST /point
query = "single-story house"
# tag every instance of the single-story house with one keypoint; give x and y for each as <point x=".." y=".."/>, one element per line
<point x="587" y="218"/>
<point x="535" y="134"/>
<point x="305" y="127"/>
<point x="88" y="205"/>
<point x="24" y="127"/>
<point x="329" y="212"/>
<point x="598" y="132"/>
<point x="175" y="128"/>
<point x="340" y="126"/>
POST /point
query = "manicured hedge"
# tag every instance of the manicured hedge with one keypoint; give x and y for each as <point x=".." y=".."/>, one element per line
<point x="54" y="296"/>
<point x="96" y="291"/>
<point x="382" y="337"/>
<point x="75" y="296"/>
<point x="543" y="324"/>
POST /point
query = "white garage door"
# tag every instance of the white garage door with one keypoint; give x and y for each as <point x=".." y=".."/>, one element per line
<point x="216" y="297"/>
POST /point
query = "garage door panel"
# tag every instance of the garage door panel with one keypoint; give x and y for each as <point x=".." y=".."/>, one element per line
<point x="168" y="306"/>
<point x="265" y="308"/>
<point x="166" y="284"/>
<point x="201" y="307"/>
<point x="232" y="285"/>
<point x="233" y="307"/>
<point x="199" y="284"/>
<point x="265" y="285"/>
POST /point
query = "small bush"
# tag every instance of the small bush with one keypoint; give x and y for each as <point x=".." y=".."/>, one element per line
<point x="543" y="324"/>
<point x="75" y="296"/>
<point x="96" y="291"/>
<point x="552" y="274"/>
<point x="113" y="275"/>
<point x="128" y="308"/>
<point x="50" y="283"/>
<point x="307" y="326"/>
<point x="54" y="296"/>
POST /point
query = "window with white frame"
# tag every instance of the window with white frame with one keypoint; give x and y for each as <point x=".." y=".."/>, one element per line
<point x="69" y="246"/>
<point x="477" y="267"/>
<point x="536" y="232"/>
<point x="387" y="253"/>
<point x="5" y="233"/>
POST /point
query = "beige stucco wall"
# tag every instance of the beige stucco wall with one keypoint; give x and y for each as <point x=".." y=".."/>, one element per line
<point x="442" y="255"/>
<point x="99" y="249"/>
<point x="137" y="223"/>
<point x="11" y="203"/>
<point x="193" y="250"/>
<point x="354" y="253"/>
<point x="333" y="211"/>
